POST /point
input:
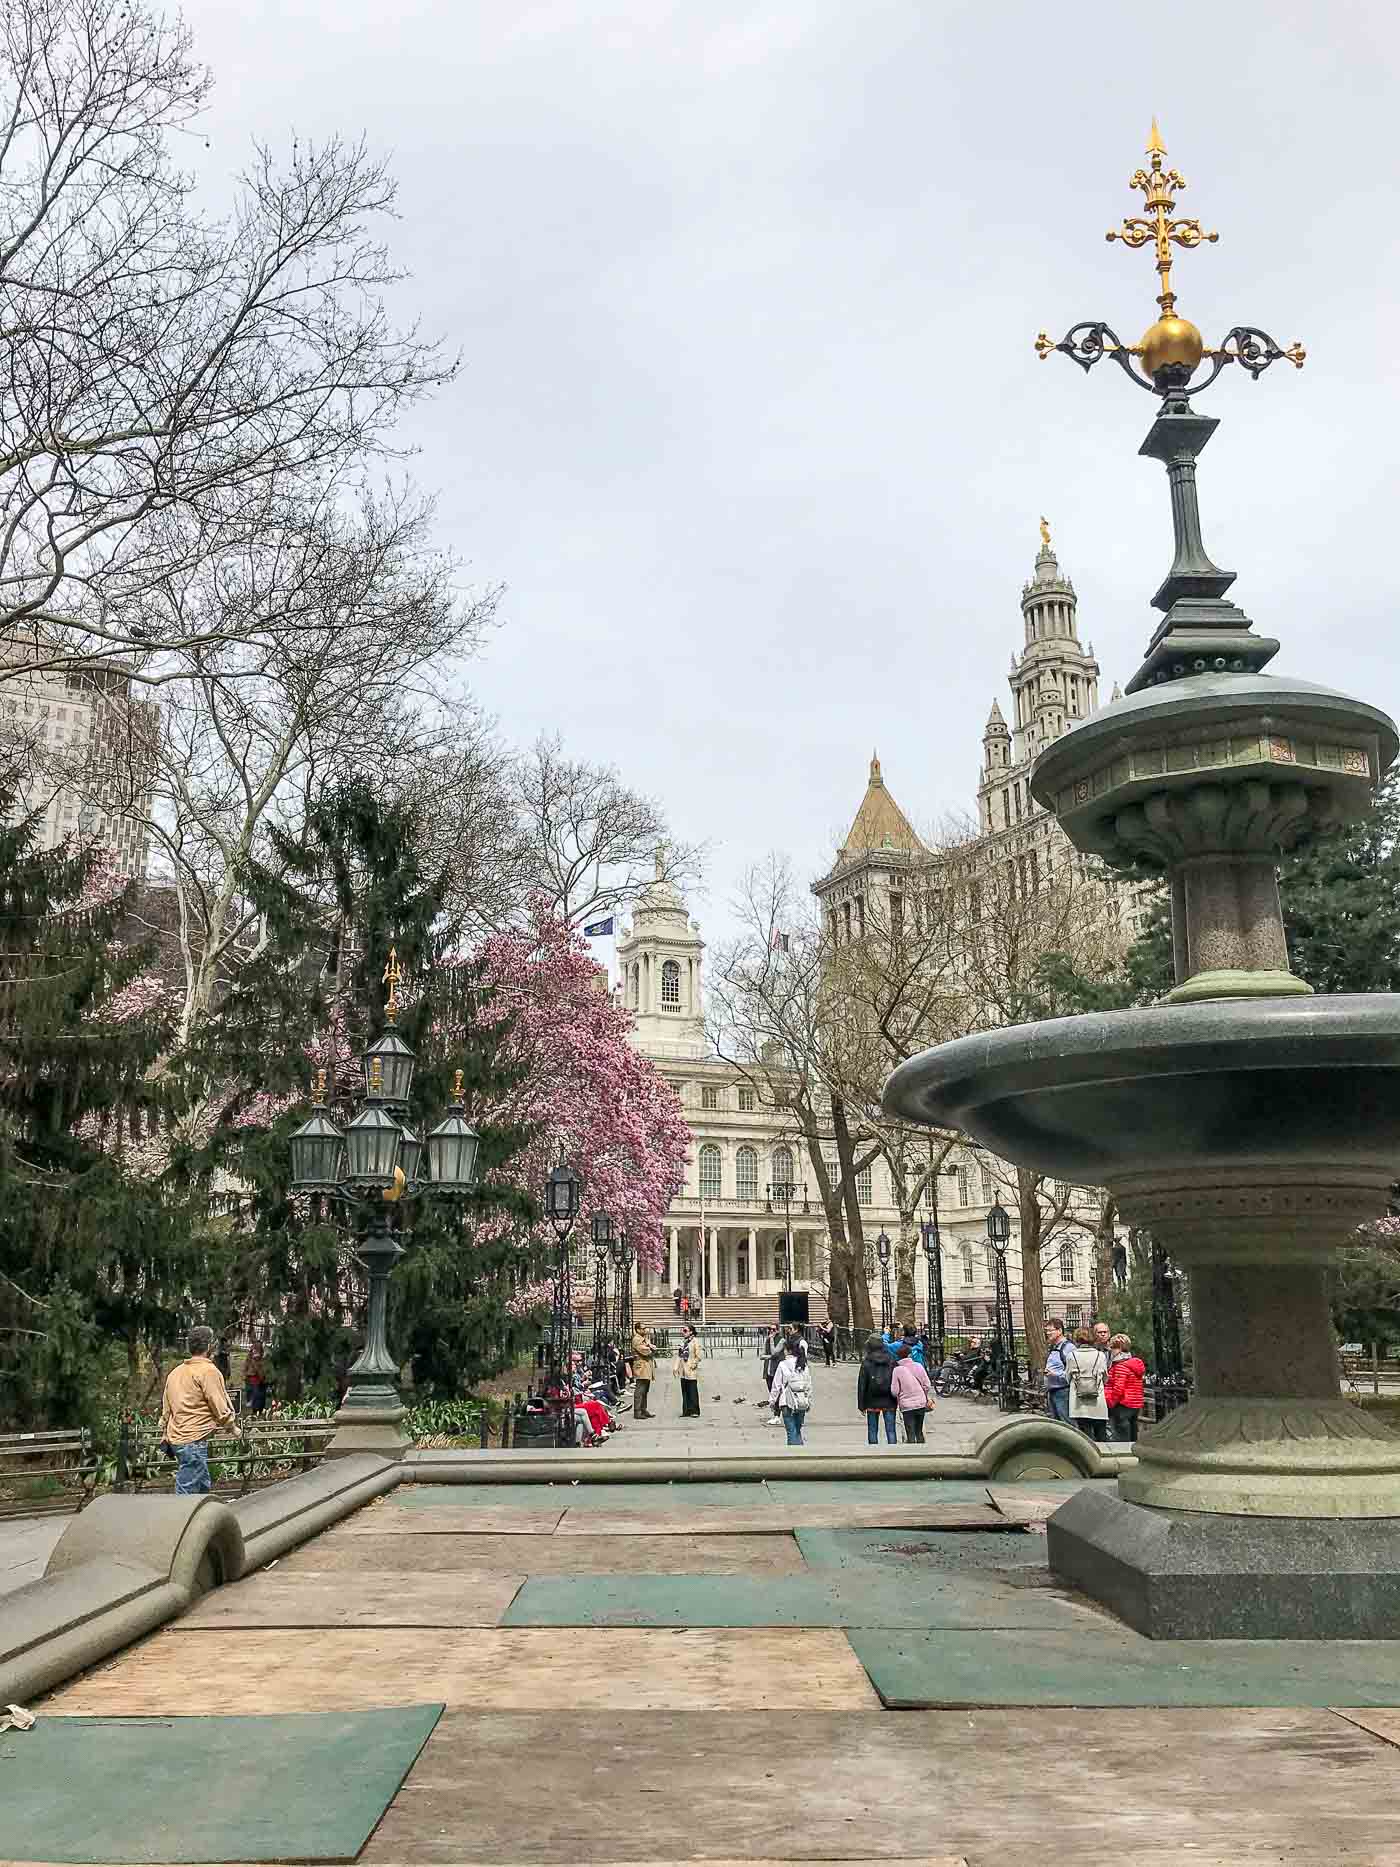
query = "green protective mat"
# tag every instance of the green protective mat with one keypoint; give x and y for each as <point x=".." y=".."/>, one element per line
<point x="1104" y="1665"/>
<point x="581" y="1496"/>
<point x="921" y="1550"/>
<point x="815" y="1493"/>
<point x="305" y="1786"/>
<point x="869" y="1598"/>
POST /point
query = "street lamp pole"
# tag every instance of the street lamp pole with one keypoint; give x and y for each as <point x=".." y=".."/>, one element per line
<point x="563" y="1194"/>
<point x="603" y="1241"/>
<point x="376" y="1165"/>
<point x="882" y="1252"/>
<point x="998" y="1236"/>
<point x="786" y="1191"/>
<point x="935" y="1321"/>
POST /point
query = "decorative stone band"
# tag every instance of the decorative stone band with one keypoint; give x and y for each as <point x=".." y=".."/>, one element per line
<point x="1213" y="1216"/>
<point x="1270" y="1457"/>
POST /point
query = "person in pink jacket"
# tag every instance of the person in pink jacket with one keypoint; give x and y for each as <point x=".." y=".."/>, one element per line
<point x="912" y="1393"/>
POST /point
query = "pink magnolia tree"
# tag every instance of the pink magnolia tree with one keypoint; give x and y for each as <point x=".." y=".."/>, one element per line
<point x="583" y="1089"/>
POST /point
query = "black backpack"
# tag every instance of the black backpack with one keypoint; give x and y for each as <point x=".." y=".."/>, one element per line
<point x="879" y="1389"/>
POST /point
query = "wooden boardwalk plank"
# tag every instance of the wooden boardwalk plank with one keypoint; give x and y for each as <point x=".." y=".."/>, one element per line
<point x="776" y="1554"/>
<point x="364" y="1599"/>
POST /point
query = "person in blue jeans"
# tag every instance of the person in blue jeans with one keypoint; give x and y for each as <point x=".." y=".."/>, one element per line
<point x="791" y="1392"/>
<point x="875" y="1391"/>
<point x="1059" y="1349"/>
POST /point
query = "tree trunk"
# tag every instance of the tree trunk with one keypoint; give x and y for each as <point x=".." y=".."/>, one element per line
<point x="906" y="1284"/>
<point x="1032" y="1288"/>
<point x="861" y="1315"/>
<point x="1103" y="1252"/>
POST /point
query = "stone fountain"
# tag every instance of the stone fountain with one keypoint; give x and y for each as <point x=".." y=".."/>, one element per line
<point x="1249" y="1125"/>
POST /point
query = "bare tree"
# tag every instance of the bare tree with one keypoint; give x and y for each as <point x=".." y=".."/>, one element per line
<point x="169" y="375"/>
<point x="593" y="843"/>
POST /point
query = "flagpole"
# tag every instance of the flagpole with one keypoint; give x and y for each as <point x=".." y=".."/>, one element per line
<point x="704" y="1258"/>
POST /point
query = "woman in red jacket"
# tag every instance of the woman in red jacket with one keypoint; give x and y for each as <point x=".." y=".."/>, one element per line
<point x="1122" y="1388"/>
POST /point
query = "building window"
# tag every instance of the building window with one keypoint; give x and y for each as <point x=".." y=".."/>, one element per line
<point x="864" y="1190"/>
<point x="968" y="1319"/>
<point x="670" y="983"/>
<point x="746" y="1100"/>
<point x="746" y="1173"/>
<point x="1074" y="1316"/>
<point x="966" y="1255"/>
<point x="989" y="1188"/>
<point x="964" y="1186"/>
<point x="896" y="915"/>
<point x="780" y="1260"/>
<point x="992" y="1315"/>
<point x="711" y="1172"/>
<point x="709" y="1097"/>
<point x="782" y="1166"/>
<point x="1066" y="1266"/>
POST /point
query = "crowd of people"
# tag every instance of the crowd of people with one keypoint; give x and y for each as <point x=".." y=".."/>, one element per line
<point x="1094" y="1381"/>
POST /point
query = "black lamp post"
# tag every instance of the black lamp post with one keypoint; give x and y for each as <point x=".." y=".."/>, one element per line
<point x="563" y="1193"/>
<point x="1169" y="1385"/>
<point x="603" y="1240"/>
<point x="623" y="1258"/>
<point x="374" y="1165"/>
<point x="882" y="1252"/>
<point x="936" y="1320"/>
<point x="785" y="1191"/>
<point x="998" y="1235"/>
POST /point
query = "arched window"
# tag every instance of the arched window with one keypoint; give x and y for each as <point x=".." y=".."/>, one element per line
<point x="1066" y="1266"/>
<point x="780" y="1260"/>
<point x="746" y="1173"/>
<point x="711" y="1171"/>
<point x="670" y="983"/>
<point x="966" y="1255"/>
<point x="782" y="1166"/>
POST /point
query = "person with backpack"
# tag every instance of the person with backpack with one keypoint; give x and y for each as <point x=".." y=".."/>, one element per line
<point x="1058" y="1348"/>
<point x="792" y="1388"/>
<point x="912" y="1392"/>
<point x="875" y="1391"/>
<point x="1123" y="1389"/>
<point x="1087" y="1368"/>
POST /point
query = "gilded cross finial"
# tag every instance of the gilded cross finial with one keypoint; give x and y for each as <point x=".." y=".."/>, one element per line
<point x="1159" y="188"/>
<point x="393" y="972"/>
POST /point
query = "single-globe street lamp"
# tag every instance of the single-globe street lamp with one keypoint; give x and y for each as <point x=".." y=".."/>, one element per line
<point x="376" y="1165"/>
<point x="603" y="1240"/>
<point x="998" y="1236"/>
<point x="623" y="1257"/>
<point x="935" y="1321"/>
<point x="563" y="1194"/>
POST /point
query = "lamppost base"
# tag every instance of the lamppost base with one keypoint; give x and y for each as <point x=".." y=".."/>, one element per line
<point x="377" y="1429"/>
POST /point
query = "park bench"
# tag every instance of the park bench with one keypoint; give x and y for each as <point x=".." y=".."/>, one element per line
<point x="46" y="1472"/>
<point x="237" y="1461"/>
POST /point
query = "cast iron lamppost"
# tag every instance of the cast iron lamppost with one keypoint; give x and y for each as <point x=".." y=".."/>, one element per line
<point x="623" y="1257"/>
<point x="374" y="1165"/>
<point x="1169" y="1383"/>
<point x="563" y="1192"/>
<point x="785" y="1191"/>
<point x="603" y="1240"/>
<point x="882" y="1253"/>
<point x="998" y="1236"/>
<point x="935" y="1321"/>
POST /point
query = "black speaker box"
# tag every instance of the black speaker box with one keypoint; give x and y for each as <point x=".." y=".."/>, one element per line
<point x="792" y="1306"/>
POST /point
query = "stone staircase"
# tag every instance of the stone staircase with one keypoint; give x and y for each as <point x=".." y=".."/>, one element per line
<point x="741" y="1308"/>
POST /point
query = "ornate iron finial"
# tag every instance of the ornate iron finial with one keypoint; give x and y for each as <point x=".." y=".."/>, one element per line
<point x="376" y="1077"/>
<point x="320" y="1090"/>
<point x="457" y="1090"/>
<point x="393" y="972"/>
<point x="1044" y="532"/>
<point x="1159" y="189"/>
<point x="1172" y="349"/>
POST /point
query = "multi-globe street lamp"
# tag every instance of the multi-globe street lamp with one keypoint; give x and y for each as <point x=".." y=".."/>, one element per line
<point x="998" y="1237"/>
<point x="376" y="1165"/>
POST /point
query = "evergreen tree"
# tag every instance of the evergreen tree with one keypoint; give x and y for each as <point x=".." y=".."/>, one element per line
<point x="1341" y="902"/>
<point x="94" y="1258"/>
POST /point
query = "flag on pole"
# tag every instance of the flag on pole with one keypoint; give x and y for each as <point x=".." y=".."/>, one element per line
<point x="596" y="929"/>
<point x="781" y="942"/>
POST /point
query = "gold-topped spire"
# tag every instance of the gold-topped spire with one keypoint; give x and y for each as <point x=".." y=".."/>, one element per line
<point x="1044" y="532"/>
<point x="320" y="1090"/>
<point x="1160" y="188"/>
<point x="457" y="1091"/>
<point x="393" y="972"/>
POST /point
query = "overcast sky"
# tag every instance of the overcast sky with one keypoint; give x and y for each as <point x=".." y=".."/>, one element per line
<point x="750" y="424"/>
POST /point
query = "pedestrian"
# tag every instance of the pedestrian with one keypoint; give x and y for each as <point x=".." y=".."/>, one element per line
<point x="194" y="1406"/>
<point x="792" y="1388"/>
<point x="1102" y="1334"/>
<point x="676" y="1296"/>
<point x="772" y="1353"/>
<point x="875" y="1390"/>
<point x="914" y="1342"/>
<point x="688" y="1359"/>
<point x="255" y="1380"/>
<point x="1123" y="1388"/>
<point x="912" y="1392"/>
<point x="1058" y="1346"/>
<point x="1087" y="1368"/>
<point x="222" y="1360"/>
<point x="643" y="1371"/>
<point x="685" y="1309"/>
<point x="827" y="1335"/>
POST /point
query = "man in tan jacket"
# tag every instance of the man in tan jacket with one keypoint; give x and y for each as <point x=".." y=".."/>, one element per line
<point x="196" y="1404"/>
<point x="643" y="1371"/>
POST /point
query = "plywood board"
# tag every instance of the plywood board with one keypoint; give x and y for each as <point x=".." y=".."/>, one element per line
<point x="777" y="1554"/>
<point x="783" y="1517"/>
<point x="1113" y="1666"/>
<point x="500" y="1519"/>
<point x="872" y="1598"/>
<point x="364" y="1599"/>
<point x="920" y="1549"/>
<point x="505" y="1669"/>
<point x="1228" y="1787"/>
<point x="1033" y="1503"/>
<point x="579" y="1494"/>
<point x="1382" y="1722"/>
